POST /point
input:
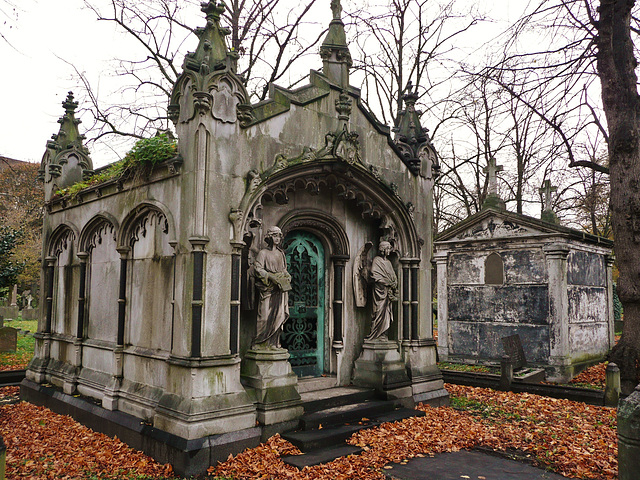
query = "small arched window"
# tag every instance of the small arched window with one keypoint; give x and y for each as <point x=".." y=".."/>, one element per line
<point x="493" y="270"/>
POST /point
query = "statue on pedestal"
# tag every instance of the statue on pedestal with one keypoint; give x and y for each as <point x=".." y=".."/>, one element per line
<point x="385" y="292"/>
<point x="273" y="283"/>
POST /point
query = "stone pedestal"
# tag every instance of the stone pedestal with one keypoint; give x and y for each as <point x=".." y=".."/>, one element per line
<point x="268" y="374"/>
<point x="380" y="366"/>
<point x="629" y="436"/>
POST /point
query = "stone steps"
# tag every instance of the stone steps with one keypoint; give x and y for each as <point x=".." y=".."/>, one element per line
<point x="332" y="416"/>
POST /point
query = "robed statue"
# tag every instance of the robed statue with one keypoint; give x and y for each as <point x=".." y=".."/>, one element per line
<point x="273" y="283"/>
<point x="382" y="277"/>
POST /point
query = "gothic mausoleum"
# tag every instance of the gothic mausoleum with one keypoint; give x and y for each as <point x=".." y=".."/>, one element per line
<point x="189" y="306"/>
<point x="501" y="274"/>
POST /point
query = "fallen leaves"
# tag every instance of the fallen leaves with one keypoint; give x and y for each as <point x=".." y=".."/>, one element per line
<point x="42" y="444"/>
<point x="574" y="439"/>
<point x="592" y="376"/>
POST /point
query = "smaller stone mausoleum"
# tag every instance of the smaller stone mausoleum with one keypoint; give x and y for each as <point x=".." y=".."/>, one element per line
<point x="500" y="273"/>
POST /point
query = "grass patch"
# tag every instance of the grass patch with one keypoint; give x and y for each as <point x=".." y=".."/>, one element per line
<point x="463" y="367"/>
<point x="146" y="153"/>
<point x="24" y="348"/>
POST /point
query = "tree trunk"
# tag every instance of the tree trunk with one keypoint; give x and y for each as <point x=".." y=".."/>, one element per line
<point x="616" y="68"/>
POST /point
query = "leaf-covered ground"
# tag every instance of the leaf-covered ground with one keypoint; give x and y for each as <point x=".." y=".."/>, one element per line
<point x="574" y="439"/>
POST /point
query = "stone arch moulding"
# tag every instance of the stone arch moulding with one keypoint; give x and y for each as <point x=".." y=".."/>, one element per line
<point x="351" y="183"/>
<point x="141" y="210"/>
<point x="60" y="237"/>
<point x="318" y="222"/>
<point x="93" y="226"/>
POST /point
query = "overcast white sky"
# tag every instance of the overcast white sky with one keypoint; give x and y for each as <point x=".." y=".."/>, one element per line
<point x="36" y="76"/>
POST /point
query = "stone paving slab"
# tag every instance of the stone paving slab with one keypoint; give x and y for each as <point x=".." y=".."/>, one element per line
<point x="465" y="465"/>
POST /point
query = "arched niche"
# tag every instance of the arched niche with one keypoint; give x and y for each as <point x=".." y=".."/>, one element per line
<point x="493" y="270"/>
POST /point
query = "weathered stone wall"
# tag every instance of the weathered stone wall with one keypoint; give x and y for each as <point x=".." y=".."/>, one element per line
<point x="480" y="315"/>
<point x="588" y="309"/>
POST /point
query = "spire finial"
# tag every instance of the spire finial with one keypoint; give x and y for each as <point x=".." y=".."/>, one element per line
<point x="334" y="50"/>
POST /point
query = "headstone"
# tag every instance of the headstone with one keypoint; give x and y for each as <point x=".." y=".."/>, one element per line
<point x="1" y="321"/>
<point x="29" y="314"/>
<point x="513" y="348"/>
<point x="8" y="339"/>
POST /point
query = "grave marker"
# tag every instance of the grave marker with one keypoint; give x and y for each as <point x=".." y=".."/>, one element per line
<point x="8" y="339"/>
<point x="513" y="348"/>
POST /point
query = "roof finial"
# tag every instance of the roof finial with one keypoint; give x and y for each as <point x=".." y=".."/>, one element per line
<point x="493" y="199"/>
<point x="548" y="215"/>
<point x="334" y="50"/>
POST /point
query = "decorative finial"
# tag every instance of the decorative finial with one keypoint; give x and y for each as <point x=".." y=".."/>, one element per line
<point x="334" y="50"/>
<point x="336" y="9"/>
<point x="548" y="215"/>
<point x="493" y="199"/>
<point x="492" y="171"/>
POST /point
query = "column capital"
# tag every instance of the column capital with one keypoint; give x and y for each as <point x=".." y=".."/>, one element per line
<point x="556" y="250"/>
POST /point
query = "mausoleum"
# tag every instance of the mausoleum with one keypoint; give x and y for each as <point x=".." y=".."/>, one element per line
<point x="501" y="274"/>
<point x="167" y="303"/>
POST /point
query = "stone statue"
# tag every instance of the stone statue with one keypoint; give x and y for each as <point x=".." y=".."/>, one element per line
<point x="385" y="292"/>
<point x="273" y="283"/>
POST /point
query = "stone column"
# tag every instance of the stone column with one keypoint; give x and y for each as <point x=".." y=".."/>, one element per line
<point x="405" y="296"/>
<point x="112" y="389"/>
<point x="556" y="256"/>
<point x="337" y="344"/>
<point x="37" y="371"/>
<point x="441" y="259"/>
<point x="198" y="260"/>
<point x="14" y="296"/>
<point x="234" y="308"/>
<point x="609" y="259"/>
<point x="71" y="382"/>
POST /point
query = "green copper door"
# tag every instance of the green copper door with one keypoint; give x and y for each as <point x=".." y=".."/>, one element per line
<point x="303" y="332"/>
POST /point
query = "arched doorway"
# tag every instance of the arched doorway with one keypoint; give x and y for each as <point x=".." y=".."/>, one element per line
<point x="303" y="332"/>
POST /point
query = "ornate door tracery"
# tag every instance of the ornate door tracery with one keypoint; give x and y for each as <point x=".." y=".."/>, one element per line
<point x="303" y="332"/>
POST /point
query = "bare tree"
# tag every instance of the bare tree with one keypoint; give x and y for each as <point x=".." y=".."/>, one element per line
<point x="264" y="34"/>
<point x="588" y="42"/>
<point x="403" y="42"/>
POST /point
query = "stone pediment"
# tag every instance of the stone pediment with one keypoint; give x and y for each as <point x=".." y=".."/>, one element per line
<point x="494" y="223"/>
<point x="495" y="227"/>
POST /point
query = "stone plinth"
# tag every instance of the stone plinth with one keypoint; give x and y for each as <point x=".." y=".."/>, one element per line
<point x="629" y="436"/>
<point x="380" y="366"/>
<point x="269" y="375"/>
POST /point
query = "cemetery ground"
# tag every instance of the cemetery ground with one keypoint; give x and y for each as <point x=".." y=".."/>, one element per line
<point x="573" y="439"/>
<point x="20" y="358"/>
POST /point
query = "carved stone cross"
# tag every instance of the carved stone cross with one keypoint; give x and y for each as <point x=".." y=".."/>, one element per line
<point x="492" y="171"/>
<point x="546" y="190"/>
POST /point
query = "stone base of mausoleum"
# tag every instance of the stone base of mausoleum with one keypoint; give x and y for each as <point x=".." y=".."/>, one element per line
<point x="188" y="457"/>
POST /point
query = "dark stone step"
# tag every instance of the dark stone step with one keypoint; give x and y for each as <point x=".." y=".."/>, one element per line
<point x="345" y="414"/>
<point x="319" y="456"/>
<point x="335" y="397"/>
<point x="397" y="415"/>
<point x="309" y="440"/>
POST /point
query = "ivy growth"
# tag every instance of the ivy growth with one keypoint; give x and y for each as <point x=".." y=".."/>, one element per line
<point x="146" y="153"/>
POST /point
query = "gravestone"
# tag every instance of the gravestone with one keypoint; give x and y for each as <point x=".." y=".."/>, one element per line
<point x="1" y="321"/>
<point x="513" y="348"/>
<point x="29" y="314"/>
<point x="8" y="339"/>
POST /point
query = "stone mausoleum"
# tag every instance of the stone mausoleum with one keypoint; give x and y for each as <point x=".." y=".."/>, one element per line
<point x="501" y="274"/>
<point x="150" y="279"/>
